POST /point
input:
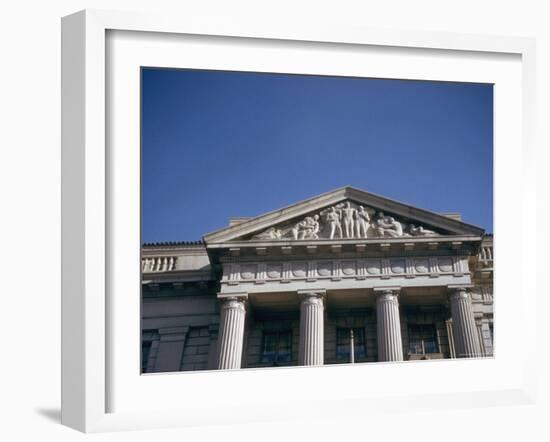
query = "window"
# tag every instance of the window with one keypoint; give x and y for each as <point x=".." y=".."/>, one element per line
<point x="148" y="350"/>
<point x="196" y="349"/>
<point x="422" y="339"/>
<point x="277" y="347"/>
<point x="145" y="351"/>
<point x="343" y="342"/>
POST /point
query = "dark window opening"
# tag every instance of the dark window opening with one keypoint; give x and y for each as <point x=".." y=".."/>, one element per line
<point x="277" y="347"/>
<point x="145" y="352"/>
<point x="422" y="339"/>
<point x="343" y="343"/>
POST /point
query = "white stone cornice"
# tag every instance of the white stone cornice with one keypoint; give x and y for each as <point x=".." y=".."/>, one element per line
<point x="311" y="249"/>
<point x="311" y="205"/>
<point x="336" y="248"/>
<point x="426" y="242"/>
<point x="360" y="248"/>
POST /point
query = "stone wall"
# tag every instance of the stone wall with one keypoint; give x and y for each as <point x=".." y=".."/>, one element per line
<point x="184" y="323"/>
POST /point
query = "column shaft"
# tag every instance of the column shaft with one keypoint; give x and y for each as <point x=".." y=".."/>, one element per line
<point x="311" y="351"/>
<point x="390" y="347"/>
<point x="231" y="333"/>
<point x="464" y="326"/>
<point x="450" y="338"/>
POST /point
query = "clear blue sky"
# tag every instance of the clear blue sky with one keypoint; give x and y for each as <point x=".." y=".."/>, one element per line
<point x="218" y="144"/>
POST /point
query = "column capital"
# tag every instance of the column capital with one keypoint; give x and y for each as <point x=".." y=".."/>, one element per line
<point x="461" y="291"/>
<point x="222" y="296"/>
<point x="233" y="300"/>
<point x="312" y="295"/>
<point x="387" y="292"/>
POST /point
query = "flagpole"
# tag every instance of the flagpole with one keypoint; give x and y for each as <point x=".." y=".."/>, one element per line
<point x="352" y="347"/>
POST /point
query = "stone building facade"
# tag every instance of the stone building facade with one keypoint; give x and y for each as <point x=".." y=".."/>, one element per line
<point x="347" y="276"/>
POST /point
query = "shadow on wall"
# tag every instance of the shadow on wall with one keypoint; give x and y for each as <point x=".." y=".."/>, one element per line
<point x="51" y="414"/>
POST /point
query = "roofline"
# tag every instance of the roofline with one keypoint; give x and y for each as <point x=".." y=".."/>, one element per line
<point x="197" y="243"/>
<point x="252" y="218"/>
<point x="347" y="191"/>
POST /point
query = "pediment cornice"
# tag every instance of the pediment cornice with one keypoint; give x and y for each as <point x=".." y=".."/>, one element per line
<point x="330" y="216"/>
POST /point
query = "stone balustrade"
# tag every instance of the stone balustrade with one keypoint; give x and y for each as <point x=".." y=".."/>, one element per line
<point x="485" y="256"/>
<point x="152" y="264"/>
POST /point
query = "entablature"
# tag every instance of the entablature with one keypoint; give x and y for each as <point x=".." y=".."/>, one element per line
<point x="344" y="273"/>
<point x="388" y="247"/>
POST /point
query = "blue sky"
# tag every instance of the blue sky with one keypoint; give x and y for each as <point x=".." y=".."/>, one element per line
<point x="219" y="144"/>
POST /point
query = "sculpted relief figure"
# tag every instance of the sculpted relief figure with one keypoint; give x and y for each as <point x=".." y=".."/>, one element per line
<point x="388" y="226"/>
<point x="333" y="219"/>
<point x="313" y="227"/>
<point x="345" y="220"/>
<point x="307" y="228"/>
<point x="348" y="215"/>
<point x="420" y="231"/>
<point x="362" y="220"/>
<point x="271" y="233"/>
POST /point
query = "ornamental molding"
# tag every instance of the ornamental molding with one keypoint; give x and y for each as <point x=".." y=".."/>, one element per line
<point x="337" y="269"/>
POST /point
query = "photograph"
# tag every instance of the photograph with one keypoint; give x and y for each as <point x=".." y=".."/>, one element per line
<point x="307" y="220"/>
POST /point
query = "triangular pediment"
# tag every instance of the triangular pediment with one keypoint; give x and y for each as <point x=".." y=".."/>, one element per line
<point x="346" y="213"/>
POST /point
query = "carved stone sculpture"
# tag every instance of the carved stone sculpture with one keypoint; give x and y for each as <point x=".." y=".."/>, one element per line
<point x="362" y="220"/>
<point x="348" y="215"/>
<point x="333" y="218"/>
<point x="345" y="220"/>
<point x="271" y="233"/>
<point x="420" y="231"/>
<point x="388" y="226"/>
<point x="312" y="227"/>
<point x="307" y="228"/>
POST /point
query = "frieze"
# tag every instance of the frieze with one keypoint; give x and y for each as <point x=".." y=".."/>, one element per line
<point x="336" y="269"/>
<point x="346" y="220"/>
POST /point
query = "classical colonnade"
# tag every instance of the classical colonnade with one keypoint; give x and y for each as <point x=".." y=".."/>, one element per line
<point x="312" y="305"/>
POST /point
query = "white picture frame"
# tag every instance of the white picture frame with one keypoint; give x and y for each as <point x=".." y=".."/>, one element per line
<point x="87" y="314"/>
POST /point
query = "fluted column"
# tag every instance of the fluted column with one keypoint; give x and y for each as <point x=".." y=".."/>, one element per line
<point x="311" y="351"/>
<point x="464" y="325"/>
<point x="231" y="332"/>
<point x="388" y="325"/>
